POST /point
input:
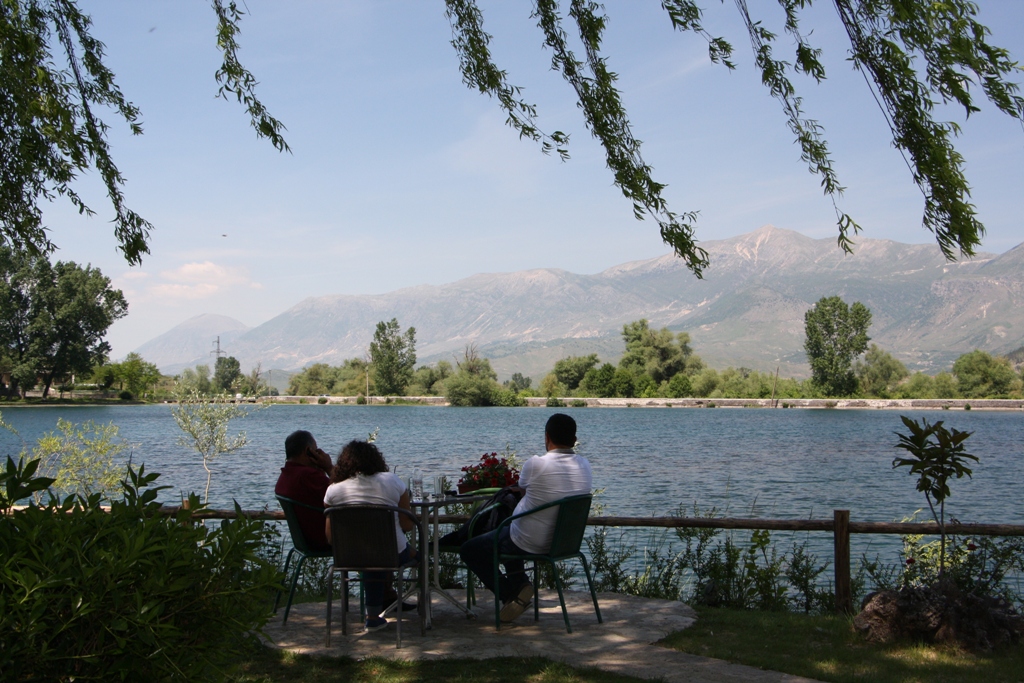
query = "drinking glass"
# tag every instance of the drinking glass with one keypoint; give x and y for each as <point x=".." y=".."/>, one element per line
<point x="416" y="486"/>
<point x="439" y="483"/>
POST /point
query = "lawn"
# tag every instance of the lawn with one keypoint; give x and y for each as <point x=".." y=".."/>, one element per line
<point x="826" y="648"/>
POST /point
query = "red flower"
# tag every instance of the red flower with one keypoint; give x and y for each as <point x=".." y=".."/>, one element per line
<point x="910" y="560"/>
<point x="972" y="547"/>
<point x="491" y="471"/>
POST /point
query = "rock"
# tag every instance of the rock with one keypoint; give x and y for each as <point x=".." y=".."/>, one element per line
<point x="940" y="613"/>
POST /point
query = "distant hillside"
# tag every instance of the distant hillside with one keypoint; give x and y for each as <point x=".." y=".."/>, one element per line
<point x="748" y="311"/>
<point x="191" y="342"/>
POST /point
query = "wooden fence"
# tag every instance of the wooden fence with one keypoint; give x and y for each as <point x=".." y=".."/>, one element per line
<point x="840" y="526"/>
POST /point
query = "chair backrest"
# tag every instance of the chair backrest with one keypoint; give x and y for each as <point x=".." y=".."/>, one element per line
<point x="299" y="540"/>
<point x="363" y="536"/>
<point x="570" y="525"/>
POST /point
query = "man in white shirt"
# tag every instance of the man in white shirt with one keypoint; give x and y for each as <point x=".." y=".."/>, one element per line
<point x="557" y="474"/>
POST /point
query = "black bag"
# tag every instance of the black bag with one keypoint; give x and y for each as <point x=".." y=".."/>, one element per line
<point x="488" y="516"/>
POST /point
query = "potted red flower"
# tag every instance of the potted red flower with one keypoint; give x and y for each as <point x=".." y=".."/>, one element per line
<point x="493" y="471"/>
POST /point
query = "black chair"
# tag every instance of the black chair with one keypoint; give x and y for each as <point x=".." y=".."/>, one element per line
<point x="454" y="549"/>
<point x="301" y="546"/>
<point x="364" y="539"/>
<point x="570" y="526"/>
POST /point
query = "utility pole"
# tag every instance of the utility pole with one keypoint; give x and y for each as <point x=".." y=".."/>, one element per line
<point x="218" y="351"/>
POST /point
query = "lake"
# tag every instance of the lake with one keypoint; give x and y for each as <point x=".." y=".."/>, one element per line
<point x="746" y="462"/>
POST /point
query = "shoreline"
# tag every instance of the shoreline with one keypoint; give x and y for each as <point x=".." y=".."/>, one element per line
<point x="986" y="404"/>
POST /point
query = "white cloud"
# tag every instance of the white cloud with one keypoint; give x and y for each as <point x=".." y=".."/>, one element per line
<point x="187" y="282"/>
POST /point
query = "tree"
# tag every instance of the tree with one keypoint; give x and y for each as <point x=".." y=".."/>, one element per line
<point x="205" y="426"/>
<point x="915" y="55"/>
<point x="679" y="386"/>
<point x="475" y="383"/>
<point x="980" y="375"/>
<point x="880" y="372"/>
<point x="194" y="381"/>
<point x="658" y="354"/>
<point x="936" y="454"/>
<point x="429" y="380"/>
<point x="835" y="335"/>
<point x="393" y="356"/>
<point x="136" y="374"/>
<point x="83" y="459"/>
<point x="226" y="371"/>
<point x="599" y="381"/>
<point x="253" y="384"/>
<point x="570" y="371"/>
<point x="518" y="382"/>
<point x="54" y="80"/>
<point x="53" y="317"/>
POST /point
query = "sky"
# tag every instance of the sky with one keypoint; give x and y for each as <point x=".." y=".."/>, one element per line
<point x="400" y="175"/>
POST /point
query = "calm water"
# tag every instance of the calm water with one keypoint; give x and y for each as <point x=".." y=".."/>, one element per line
<point x="768" y="463"/>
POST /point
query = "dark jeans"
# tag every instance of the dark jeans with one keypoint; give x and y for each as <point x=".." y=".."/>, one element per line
<point x="478" y="554"/>
<point x="373" y="585"/>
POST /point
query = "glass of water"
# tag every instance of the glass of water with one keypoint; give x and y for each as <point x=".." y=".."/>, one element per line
<point x="416" y="486"/>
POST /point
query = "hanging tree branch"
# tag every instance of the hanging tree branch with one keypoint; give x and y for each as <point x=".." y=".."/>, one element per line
<point x="956" y="55"/>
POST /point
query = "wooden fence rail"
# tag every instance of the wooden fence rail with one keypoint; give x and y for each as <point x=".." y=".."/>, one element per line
<point x="840" y="526"/>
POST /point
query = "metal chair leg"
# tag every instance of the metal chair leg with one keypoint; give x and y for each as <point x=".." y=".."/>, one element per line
<point x="590" y="585"/>
<point x="401" y="598"/>
<point x="291" y="592"/>
<point x="536" y="593"/>
<point x="330" y="587"/>
<point x="561" y="597"/>
<point x="287" y="562"/>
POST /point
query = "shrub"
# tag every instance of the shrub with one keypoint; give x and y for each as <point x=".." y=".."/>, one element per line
<point x="360" y="400"/>
<point x="579" y="403"/>
<point x="82" y="458"/>
<point x="125" y="594"/>
<point x="507" y="398"/>
<point x="555" y="402"/>
<point x="322" y="400"/>
<point x="125" y="395"/>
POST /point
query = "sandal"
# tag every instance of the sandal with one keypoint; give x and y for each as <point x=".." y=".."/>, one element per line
<point x="517" y="605"/>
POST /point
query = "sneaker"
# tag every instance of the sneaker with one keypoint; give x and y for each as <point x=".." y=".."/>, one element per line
<point x="517" y="605"/>
<point x="375" y="624"/>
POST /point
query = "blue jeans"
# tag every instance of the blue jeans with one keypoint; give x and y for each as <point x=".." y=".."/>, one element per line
<point x="478" y="554"/>
<point x="373" y="586"/>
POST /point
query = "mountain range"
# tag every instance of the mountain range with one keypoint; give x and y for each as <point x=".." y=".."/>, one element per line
<point x="747" y="311"/>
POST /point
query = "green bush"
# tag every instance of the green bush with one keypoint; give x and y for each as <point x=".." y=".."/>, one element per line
<point x="88" y="594"/>
<point x="125" y="395"/>
<point x="507" y="398"/>
<point x="578" y="403"/>
<point x="360" y="400"/>
<point x="555" y="402"/>
<point x="322" y="400"/>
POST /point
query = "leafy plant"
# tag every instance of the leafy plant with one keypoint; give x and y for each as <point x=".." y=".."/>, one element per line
<point x="83" y="459"/>
<point x="90" y="594"/>
<point x="493" y="471"/>
<point x="936" y="455"/>
<point x="205" y="424"/>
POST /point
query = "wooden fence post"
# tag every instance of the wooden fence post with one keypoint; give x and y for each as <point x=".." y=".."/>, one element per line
<point x="841" y="536"/>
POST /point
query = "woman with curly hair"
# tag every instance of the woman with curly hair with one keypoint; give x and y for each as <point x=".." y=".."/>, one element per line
<point x="361" y="477"/>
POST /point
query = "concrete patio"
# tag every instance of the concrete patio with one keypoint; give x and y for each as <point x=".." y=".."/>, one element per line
<point x="624" y="643"/>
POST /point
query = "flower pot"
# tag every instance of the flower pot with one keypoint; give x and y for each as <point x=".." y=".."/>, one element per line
<point x="468" y="488"/>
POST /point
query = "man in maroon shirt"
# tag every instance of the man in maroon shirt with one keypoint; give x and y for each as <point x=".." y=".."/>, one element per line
<point x="305" y="478"/>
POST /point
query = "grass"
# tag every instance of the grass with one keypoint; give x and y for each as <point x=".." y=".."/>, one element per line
<point x="274" y="666"/>
<point x="826" y="648"/>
